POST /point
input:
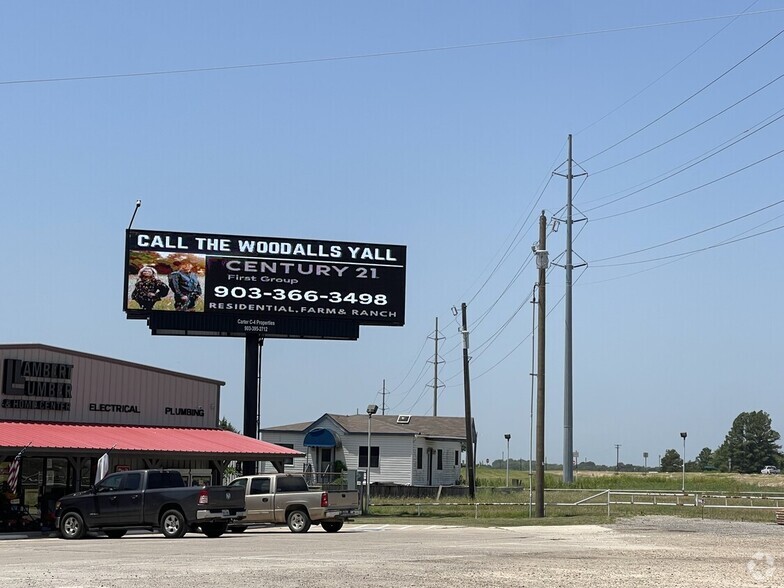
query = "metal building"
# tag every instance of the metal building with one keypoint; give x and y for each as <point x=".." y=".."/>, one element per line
<point x="62" y="410"/>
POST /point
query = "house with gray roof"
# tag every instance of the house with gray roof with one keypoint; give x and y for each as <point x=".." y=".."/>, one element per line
<point x="404" y="449"/>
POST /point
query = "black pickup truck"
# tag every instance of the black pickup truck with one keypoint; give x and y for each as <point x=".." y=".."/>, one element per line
<point x="149" y="499"/>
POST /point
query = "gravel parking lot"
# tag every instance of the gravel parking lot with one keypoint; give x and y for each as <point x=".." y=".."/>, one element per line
<point x="640" y="552"/>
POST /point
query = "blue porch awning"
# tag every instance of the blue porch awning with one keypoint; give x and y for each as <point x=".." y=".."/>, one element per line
<point x="321" y="438"/>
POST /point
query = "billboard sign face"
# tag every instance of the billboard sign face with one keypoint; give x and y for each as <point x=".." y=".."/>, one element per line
<point x="263" y="277"/>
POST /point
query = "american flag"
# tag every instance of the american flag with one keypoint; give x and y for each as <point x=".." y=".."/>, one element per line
<point x="13" y="472"/>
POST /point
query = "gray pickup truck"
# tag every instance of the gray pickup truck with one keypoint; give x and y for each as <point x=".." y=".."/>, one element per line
<point x="287" y="499"/>
<point x="149" y="499"/>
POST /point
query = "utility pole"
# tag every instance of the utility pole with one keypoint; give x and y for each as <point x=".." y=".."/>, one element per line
<point x="541" y="263"/>
<point x="531" y="416"/>
<point x="383" y="396"/>
<point x="467" y="391"/>
<point x="436" y="361"/>
<point x="617" y="457"/>
<point x="568" y="474"/>
<point x="568" y="445"/>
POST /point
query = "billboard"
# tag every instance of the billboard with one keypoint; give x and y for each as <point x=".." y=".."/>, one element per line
<point x="236" y="277"/>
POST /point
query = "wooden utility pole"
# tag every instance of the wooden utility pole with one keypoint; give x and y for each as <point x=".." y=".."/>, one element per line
<point x="541" y="263"/>
<point x="469" y="428"/>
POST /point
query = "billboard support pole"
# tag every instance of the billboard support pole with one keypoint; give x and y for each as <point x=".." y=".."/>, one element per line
<point x="250" y="426"/>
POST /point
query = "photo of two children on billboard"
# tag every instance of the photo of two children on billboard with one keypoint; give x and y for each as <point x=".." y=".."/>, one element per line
<point x="164" y="283"/>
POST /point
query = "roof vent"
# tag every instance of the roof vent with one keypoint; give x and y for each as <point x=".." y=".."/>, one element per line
<point x="403" y="419"/>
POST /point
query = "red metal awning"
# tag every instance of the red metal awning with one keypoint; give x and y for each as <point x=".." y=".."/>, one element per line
<point x="57" y="438"/>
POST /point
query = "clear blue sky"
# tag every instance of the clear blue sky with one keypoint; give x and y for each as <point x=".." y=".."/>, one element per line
<point x="443" y="151"/>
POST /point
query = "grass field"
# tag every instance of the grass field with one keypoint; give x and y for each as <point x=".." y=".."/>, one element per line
<point x="707" y="495"/>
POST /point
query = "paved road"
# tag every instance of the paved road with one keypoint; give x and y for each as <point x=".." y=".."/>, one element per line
<point x="655" y="552"/>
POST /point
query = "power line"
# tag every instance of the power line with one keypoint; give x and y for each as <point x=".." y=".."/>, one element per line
<point x="683" y="238"/>
<point x="669" y="173"/>
<point x="418" y="378"/>
<point x="379" y="54"/>
<point x="691" y="165"/>
<point x="666" y="73"/>
<point x="674" y="108"/>
<point x="505" y="357"/>
<point x="678" y="136"/>
<point x="722" y="244"/>
<point x="682" y="258"/>
<point x="724" y="177"/>
<point x="411" y="368"/>
<point x="514" y="242"/>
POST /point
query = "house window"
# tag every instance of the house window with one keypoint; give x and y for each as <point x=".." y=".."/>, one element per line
<point x="457" y="457"/>
<point x="363" y="461"/>
<point x="419" y="458"/>
<point x="440" y="459"/>
<point x="287" y="460"/>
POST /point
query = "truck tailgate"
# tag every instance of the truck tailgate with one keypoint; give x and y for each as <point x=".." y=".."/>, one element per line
<point x="232" y="497"/>
<point x="343" y="499"/>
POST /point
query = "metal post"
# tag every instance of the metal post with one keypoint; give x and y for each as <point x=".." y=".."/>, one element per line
<point x="435" y="374"/>
<point x="367" y="473"/>
<point x="507" y="437"/>
<point x="568" y="474"/>
<point x="683" y="463"/>
<point x="371" y="410"/>
<point x="250" y="423"/>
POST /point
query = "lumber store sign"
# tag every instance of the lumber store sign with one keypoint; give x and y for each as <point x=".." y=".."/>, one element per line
<point x="37" y="385"/>
<point x="261" y="276"/>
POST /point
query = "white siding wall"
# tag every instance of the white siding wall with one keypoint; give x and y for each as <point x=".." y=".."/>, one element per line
<point x="450" y="472"/>
<point x="394" y="456"/>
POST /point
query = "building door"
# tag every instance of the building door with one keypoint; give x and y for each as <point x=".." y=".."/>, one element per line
<point x="326" y="459"/>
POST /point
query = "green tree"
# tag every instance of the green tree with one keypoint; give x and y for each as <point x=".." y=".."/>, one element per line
<point x="226" y="425"/>
<point x="750" y="444"/>
<point x="671" y="461"/>
<point x="705" y="459"/>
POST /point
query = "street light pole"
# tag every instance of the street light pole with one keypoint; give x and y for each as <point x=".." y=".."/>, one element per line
<point x="507" y="437"/>
<point x="371" y="410"/>
<point x="683" y="462"/>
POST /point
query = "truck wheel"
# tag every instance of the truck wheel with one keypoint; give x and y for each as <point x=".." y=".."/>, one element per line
<point x="115" y="533"/>
<point x="237" y="529"/>
<point x="72" y="526"/>
<point x="173" y="524"/>
<point x="298" y="521"/>
<point x="214" y="529"/>
<point x="332" y="526"/>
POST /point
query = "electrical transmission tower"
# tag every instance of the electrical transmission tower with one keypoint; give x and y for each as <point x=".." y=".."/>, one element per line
<point x="436" y="360"/>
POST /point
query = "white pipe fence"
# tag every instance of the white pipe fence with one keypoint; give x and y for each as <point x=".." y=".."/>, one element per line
<point x="609" y="498"/>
